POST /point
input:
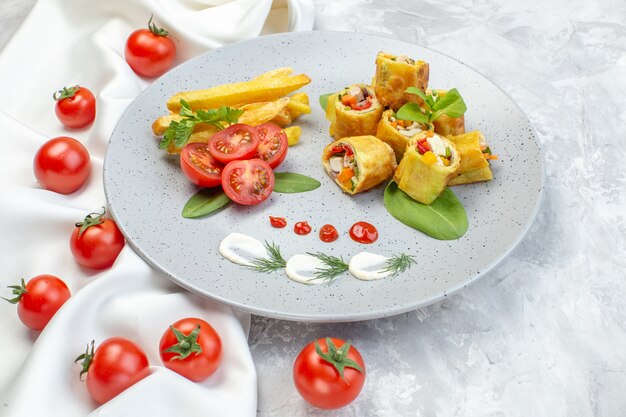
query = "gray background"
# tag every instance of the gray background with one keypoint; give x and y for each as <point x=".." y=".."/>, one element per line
<point x="544" y="334"/>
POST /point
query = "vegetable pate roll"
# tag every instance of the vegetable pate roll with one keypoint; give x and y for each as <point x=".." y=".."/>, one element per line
<point x="429" y="162"/>
<point x="394" y="74"/>
<point x="359" y="163"/>
<point x="446" y="125"/>
<point x="396" y="133"/>
<point x="356" y="112"/>
<point x="475" y="155"/>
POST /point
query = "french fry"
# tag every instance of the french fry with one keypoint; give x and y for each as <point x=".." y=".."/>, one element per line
<point x="258" y="113"/>
<point x="278" y="72"/>
<point x="283" y="118"/>
<point x="293" y="134"/>
<point x="298" y="105"/>
<point x="238" y="94"/>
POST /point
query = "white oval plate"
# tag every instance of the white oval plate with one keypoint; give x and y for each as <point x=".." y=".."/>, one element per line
<point x="146" y="190"/>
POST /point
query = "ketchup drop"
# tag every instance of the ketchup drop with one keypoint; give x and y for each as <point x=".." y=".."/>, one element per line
<point x="278" y="222"/>
<point x="328" y="233"/>
<point x="363" y="232"/>
<point x="302" y="228"/>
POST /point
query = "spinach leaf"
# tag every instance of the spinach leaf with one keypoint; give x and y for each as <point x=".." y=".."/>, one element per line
<point x="444" y="219"/>
<point x="204" y="202"/>
<point x="290" y="182"/>
<point x="324" y="100"/>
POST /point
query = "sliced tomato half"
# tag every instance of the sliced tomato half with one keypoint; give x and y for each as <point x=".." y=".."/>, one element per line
<point x="199" y="166"/>
<point x="248" y="182"/>
<point x="273" y="144"/>
<point x="234" y="143"/>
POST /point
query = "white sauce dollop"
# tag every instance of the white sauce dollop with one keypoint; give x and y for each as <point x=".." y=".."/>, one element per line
<point x="368" y="266"/>
<point x="302" y="268"/>
<point x="242" y="249"/>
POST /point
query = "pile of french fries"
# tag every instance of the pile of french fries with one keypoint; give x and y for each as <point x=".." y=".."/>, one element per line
<point x="264" y="99"/>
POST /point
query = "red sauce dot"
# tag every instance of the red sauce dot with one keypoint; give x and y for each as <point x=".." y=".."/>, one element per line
<point x="278" y="222"/>
<point x="363" y="232"/>
<point x="302" y="228"/>
<point x="328" y="233"/>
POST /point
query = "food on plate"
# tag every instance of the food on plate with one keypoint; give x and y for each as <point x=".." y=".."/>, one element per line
<point x="446" y="125"/>
<point x="117" y="364"/>
<point x="248" y="182"/>
<point x="329" y="373"/>
<point x="278" y="222"/>
<point x="328" y="233"/>
<point x="302" y="228"/>
<point x="236" y="142"/>
<point x="429" y="163"/>
<point x="273" y="144"/>
<point x="199" y="166"/>
<point x="150" y="52"/>
<point x="370" y="266"/>
<point x="298" y="105"/>
<point x="75" y="107"/>
<point x="293" y="134"/>
<point x="474" y="158"/>
<point x="363" y="232"/>
<point x="394" y="74"/>
<point x="96" y="242"/>
<point x="396" y="132"/>
<point x="359" y="163"/>
<point x="39" y="299"/>
<point x="62" y="165"/>
<point x="239" y="94"/>
<point x="192" y="348"/>
<point x="354" y="111"/>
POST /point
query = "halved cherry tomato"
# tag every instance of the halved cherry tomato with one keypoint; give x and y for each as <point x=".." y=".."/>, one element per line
<point x="199" y="166"/>
<point x="273" y="144"/>
<point x="248" y="182"/>
<point x="236" y="142"/>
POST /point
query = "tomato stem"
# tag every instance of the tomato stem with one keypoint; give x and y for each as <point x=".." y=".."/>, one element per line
<point x="337" y="357"/>
<point x="17" y="291"/>
<point x="156" y="30"/>
<point x="87" y="358"/>
<point x="90" y="221"/>
<point x="66" y="92"/>
<point x="187" y="344"/>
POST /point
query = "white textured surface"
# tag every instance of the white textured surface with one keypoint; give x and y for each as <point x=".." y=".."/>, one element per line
<point x="544" y="334"/>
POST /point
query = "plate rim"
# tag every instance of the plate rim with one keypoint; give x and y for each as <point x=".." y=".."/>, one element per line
<point x="329" y="318"/>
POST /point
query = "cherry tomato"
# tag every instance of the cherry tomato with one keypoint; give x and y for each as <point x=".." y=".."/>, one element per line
<point x="363" y="232"/>
<point x="248" y="182"/>
<point x="273" y="144"/>
<point x="328" y="233"/>
<point x="62" y="165"/>
<point x="39" y="300"/>
<point x="302" y="228"/>
<point x="192" y="348"/>
<point x="76" y="106"/>
<point x="236" y="142"/>
<point x="329" y="373"/>
<point x="117" y="364"/>
<point x="199" y="166"/>
<point x="96" y="242"/>
<point x="150" y="52"/>
<point x="278" y="222"/>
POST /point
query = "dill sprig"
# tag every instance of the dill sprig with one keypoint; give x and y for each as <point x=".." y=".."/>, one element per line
<point x="334" y="266"/>
<point x="273" y="262"/>
<point x="398" y="263"/>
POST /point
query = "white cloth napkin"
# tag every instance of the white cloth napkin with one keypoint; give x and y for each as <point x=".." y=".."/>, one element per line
<point x="67" y="42"/>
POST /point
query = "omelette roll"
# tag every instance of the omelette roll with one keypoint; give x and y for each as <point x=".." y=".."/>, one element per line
<point x="475" y="155"/>
<point x="394" y="74"/>
<point x="359" y="163"/>
<point x="446" y="125"/>
<point x="429" y="163"/>
<point x="396" y="133"/>
<point x="356" y="112"/>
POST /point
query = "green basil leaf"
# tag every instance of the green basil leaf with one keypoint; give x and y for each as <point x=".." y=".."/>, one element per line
<point x="290" y="182"/>
<point x="412" y="111"/>
<point x="417" y="91"/>
<point x="324" y="100"/>
<point x="451" y="104"/>
<point x="204" y="202"/>
<point x="443" y="219"/>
